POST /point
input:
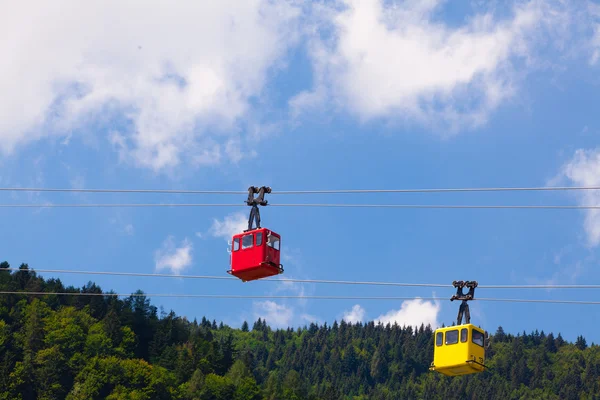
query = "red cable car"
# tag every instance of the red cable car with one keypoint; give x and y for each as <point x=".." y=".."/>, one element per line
<point x="255" y="253"/>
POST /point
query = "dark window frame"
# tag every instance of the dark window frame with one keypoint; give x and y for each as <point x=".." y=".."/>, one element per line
<point x="244" y="241"/>
<point x="453" y="331"/>
<point x="439" y="339"/>
<point x="473" y="338"/>
<point x="464" y="335"/>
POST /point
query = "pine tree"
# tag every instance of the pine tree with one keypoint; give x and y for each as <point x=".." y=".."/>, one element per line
<point x="580" y="343"/>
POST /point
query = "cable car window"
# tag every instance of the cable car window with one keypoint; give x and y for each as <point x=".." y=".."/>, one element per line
<point x="439" y="339"/>
<point x="452" y="337"/>
<point x="464" y="332"/>
<point x="273" y="242"/>
<point x="259" y="238"/>
<point x="236" y="244"/>
<point x="478" y="338"/>
<point x="247" y="241"/>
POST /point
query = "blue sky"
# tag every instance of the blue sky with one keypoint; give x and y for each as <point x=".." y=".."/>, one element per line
<point x="300" y="96"/>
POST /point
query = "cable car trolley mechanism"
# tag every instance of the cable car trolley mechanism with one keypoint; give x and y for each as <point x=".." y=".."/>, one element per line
<point x="460" y="349"/>
<point x="255" y="252"/>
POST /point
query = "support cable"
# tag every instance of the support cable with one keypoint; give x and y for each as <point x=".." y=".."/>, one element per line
<point x="328" y="205"/>
<point x="295" y="192"/>
<point x="321" y="281"/>
<point x="230" y="296"/>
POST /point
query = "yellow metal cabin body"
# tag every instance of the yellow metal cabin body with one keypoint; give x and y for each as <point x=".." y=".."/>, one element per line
<point x="459" y="350"/>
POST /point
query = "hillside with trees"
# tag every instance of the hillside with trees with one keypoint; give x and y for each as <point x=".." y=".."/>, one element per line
<point x="102" y="347"/>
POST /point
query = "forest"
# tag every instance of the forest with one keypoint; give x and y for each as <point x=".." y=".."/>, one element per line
<point x="84" y="346"/>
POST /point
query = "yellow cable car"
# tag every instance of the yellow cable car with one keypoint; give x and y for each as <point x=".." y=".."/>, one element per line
<point x="460" y="350"/>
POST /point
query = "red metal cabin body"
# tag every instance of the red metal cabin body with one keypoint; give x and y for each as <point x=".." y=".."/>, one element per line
<point x="255" y="254"/>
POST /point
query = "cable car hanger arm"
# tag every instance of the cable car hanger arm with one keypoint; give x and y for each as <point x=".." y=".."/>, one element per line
<point x="254" y="203"/>
<point x="464" y="306"/>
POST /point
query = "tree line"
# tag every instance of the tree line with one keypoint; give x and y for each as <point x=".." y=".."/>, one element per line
<point x="102" y="347"/>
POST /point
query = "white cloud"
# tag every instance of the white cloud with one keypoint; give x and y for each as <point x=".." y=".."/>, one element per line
<point x="567" y="268"/>
<point x="386" y="60"/>
<point x="120" y="222"/>
<point x="297" y="288"/>
<point x="229" y="226"/>
<point x="129" y="229"/>
<point x="413" y="313"/>
<point x="584" y="170"/>
<point x="565" y="275"/>
<point x="291" y="256"/>
<point x="308" y="318"/>
<point x="290" y="313"/>
<point x="357" y="314"/>
<point x="173" y="258"/>
<point x="276" y="315"/>
<point x="293" y="288"/>
<point x="35" y="177"/>
<point x="281" y="315"/>
<point x="173" y="72"/>
<point x="596" y="46"/>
